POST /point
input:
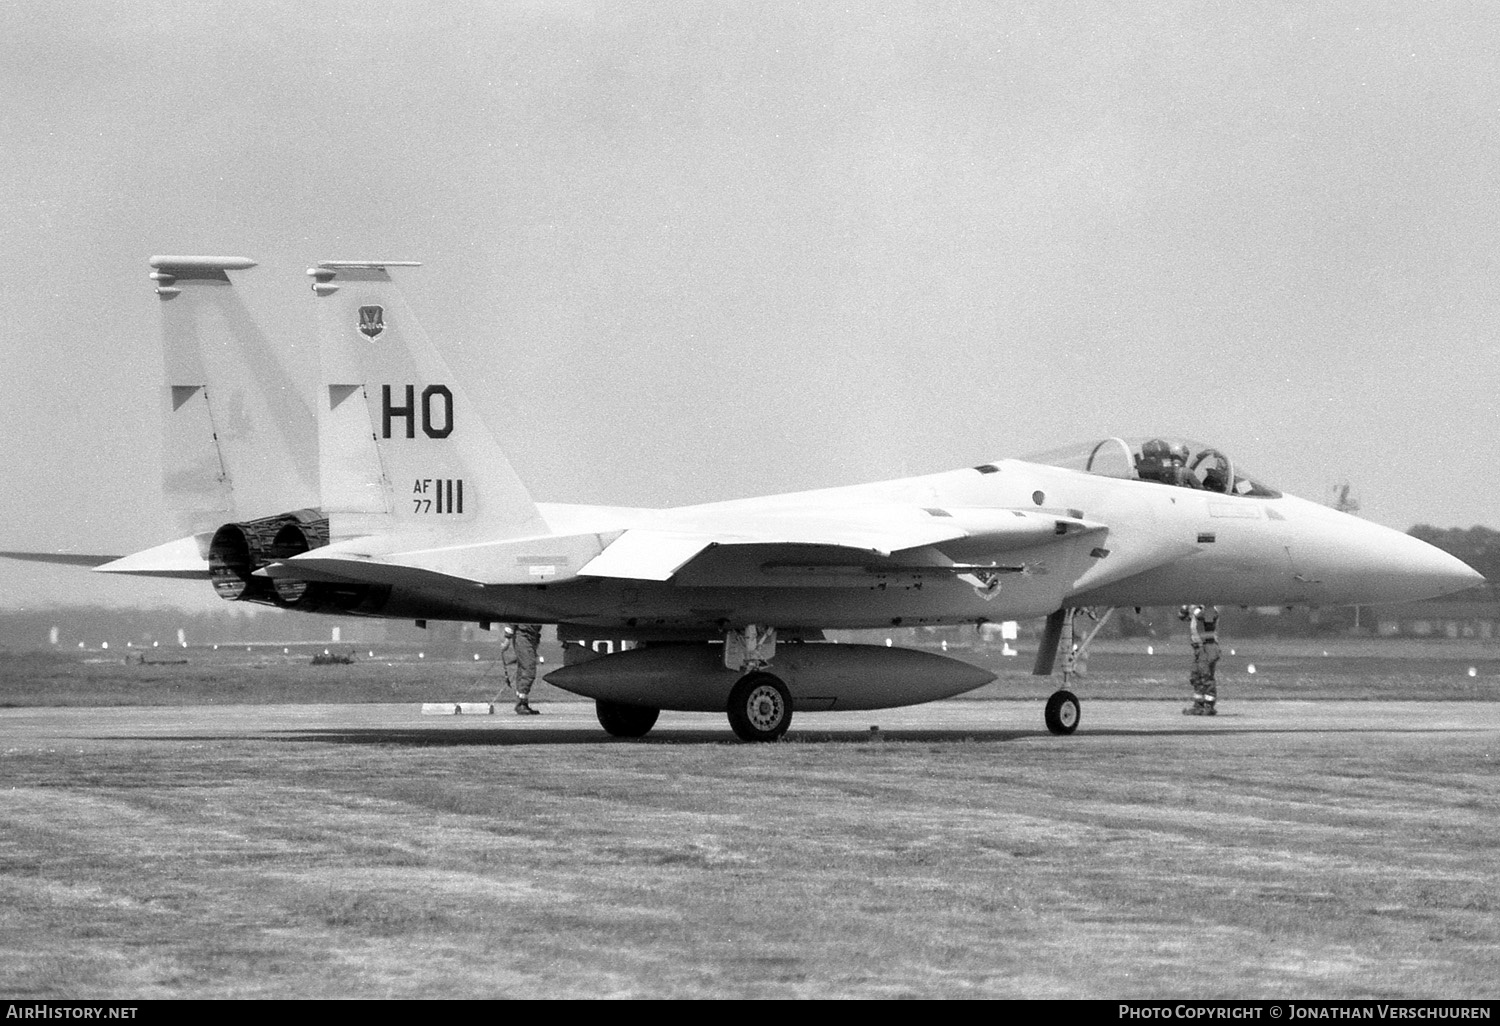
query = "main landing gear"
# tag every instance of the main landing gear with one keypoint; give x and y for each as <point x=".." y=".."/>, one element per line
<point x="760" y="709"/>
<point x="760" y="706"/>
<point x="621" y="720"/>
<point x="1063" y="710"/>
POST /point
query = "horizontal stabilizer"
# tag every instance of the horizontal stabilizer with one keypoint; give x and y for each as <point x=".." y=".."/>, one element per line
<point x="185" y="558"/>
<point x="61" y="558"/>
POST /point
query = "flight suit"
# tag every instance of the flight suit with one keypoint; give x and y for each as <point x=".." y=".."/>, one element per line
<point x="518" y="656"/>
<point x="1203" y="629"/>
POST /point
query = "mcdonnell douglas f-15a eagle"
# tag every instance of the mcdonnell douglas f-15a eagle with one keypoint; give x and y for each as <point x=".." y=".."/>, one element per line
<point x="392" y="498"/>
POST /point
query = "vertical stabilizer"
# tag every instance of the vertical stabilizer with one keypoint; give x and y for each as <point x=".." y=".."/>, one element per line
<point x="401" y="448"/>
<point x="238" y="431"/>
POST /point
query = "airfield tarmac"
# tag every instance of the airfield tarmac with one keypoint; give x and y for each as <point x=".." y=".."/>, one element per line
<point x="574" y="721"/>
<point x="1285" y="848"/>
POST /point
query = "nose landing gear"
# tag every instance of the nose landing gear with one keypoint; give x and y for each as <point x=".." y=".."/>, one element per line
<point x="1063" y="710"/>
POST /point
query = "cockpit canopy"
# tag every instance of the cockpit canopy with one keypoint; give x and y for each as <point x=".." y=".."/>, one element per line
<point x="1169" y="460"/>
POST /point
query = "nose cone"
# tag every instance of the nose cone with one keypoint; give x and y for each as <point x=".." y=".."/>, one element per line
<point x="1352" y="561"/>
<point x="1421" y="571"/>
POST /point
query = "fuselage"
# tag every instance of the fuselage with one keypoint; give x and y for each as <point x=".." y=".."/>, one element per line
<point x="1154" y="544"/>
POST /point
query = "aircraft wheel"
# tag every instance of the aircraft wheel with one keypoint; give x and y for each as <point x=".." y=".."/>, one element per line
<point x="760" y="707"/>
<point x="1062" y="712"/>
<point x="621" y="720"/>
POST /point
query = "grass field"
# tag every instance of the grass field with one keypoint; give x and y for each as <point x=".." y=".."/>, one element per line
<point x="274" y="674"/>
<point x="230" y="852"/>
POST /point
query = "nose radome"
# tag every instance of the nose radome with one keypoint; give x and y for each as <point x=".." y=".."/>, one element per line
<point x="1356" y="561"/>
<point x="1430" y="572"/>
<point x="1452" y="573"/>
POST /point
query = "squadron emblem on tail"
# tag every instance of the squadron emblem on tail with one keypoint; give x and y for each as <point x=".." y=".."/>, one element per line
<point x="371" y="321"/>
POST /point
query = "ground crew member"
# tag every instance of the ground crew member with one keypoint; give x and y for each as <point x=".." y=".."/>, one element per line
<point x="1203" y="629"/>
<point x="518" y="656"/>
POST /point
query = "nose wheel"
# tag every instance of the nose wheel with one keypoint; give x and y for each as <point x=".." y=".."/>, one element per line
<point x="1062" y="712"/>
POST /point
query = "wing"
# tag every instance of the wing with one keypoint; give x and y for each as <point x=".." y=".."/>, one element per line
<point x="820" y="543"/>
<point x="838" y="542"/>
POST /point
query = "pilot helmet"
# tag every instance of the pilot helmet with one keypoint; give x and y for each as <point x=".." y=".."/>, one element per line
<point x="1155" y="449"/>
<point x="1180" y="453"/>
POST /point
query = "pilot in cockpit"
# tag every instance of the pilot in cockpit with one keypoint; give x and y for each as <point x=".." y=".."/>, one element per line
<point x="1153" y="462"/>
<point x="1166" y="463"/>
<point x="1179" y="474"/>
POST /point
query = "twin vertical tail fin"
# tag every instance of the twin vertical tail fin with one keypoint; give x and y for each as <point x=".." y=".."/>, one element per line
<point x="389" y="444"/>
<point x="238" y="430"/>
<point x="401" y="449"/>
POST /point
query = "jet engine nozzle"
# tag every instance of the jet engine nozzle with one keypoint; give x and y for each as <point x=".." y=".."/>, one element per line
<point x="238" y="550"/>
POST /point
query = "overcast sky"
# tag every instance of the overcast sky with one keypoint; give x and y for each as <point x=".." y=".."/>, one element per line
<point x="687" y="252"/>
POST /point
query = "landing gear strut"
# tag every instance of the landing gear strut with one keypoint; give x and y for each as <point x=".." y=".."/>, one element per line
<point x="1063" y="709"/>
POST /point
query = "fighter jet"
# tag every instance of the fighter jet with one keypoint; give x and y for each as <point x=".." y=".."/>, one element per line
<point x="419" y="515"/>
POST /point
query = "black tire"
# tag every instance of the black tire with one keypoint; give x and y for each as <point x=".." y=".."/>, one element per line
<point x="621" y="720"/>
<point x="760" y="707"/>
<point x="1063" y="712"/>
